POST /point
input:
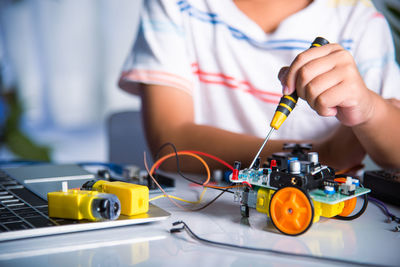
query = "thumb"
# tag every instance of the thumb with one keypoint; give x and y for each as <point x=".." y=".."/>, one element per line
<point x="282" y="76"/>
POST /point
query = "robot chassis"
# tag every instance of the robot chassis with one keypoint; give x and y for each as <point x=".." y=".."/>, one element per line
<point x="295" y="190"/>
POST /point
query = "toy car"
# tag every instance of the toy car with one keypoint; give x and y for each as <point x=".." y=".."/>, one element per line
<point x="295" y="190"/>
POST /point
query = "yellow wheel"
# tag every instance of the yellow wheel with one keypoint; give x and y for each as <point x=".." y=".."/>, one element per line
<point x="291" y="210"/>
<point x="349" y="206"/>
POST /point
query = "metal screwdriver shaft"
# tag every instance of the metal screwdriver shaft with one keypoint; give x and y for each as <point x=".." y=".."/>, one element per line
<point x="262" y="147"/>
<point x="286" y="105"/>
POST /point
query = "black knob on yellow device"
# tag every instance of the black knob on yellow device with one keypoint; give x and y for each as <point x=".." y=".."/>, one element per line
<point x="288" y="102"/>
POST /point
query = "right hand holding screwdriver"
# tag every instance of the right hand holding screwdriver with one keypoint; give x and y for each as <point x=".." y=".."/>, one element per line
<point x="328" y="79"/>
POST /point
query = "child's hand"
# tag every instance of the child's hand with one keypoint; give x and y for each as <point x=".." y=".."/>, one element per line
<point x="340" y="150"/>
<point x="328" y="79"/>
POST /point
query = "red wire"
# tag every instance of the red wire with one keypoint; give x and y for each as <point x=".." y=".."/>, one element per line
<point x="207" y="155"/>
<point x="212" y="157"/>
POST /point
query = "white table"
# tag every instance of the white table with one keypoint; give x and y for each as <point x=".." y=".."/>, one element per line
<point x="368" y="239"/>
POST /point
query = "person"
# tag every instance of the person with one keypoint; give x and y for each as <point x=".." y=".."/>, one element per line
<point x="206" y="72"/>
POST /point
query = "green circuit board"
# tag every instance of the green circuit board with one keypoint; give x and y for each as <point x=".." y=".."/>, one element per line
<point x="320" y="196"/>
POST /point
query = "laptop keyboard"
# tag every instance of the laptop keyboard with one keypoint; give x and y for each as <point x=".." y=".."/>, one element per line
<point x="21" y="209"/>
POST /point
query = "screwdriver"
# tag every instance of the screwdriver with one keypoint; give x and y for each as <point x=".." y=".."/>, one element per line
<point x="286" y="105"/>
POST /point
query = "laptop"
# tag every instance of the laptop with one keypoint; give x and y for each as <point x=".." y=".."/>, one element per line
<point x="23" y="202"/>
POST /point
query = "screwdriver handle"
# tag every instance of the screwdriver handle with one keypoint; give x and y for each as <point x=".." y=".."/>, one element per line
<point x="288" y="102"/>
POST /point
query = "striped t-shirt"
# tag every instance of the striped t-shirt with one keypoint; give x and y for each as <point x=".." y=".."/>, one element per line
<point x="229" y="65"/>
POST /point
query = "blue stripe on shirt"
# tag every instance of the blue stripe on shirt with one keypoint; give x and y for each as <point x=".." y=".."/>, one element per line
<point x="365" y="66"/>
<point x="213" y="19"/>
<point x="161" y="26"/>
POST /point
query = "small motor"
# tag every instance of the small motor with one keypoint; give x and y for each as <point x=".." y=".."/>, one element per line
<point x="83" y="204"/>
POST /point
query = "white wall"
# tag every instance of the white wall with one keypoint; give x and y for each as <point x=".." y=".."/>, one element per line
<point x="66" y="56"/>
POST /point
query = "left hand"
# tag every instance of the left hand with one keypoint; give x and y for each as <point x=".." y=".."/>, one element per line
<point x="340" y="150"/>
<point x="328" y="79"/>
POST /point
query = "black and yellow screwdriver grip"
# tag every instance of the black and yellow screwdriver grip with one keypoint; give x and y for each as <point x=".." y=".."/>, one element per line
<point x="288" y="102"/>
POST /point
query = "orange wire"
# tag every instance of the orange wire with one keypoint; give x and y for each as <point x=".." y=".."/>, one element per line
<point x="224" y="187"/>
<point x="212" y="157"/>
<point x="165" y="193"/>
<point x="161" y="160"/>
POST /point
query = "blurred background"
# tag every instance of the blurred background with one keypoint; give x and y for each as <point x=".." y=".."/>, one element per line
<point x="60" y="62"/>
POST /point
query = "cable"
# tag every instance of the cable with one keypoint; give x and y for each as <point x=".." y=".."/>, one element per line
<point x="187" y="154"/>
<point x="176" y="153"/>
<point x="158" y="162"/>
<point x="196" y="152"/>
<point x="181" y="199"/>
<point x="209" y="203"/>
<point x="358" y="214"/>
<point x="168" y="196"/>
<point x="161" y="160"/>
<point x="385" y="209"/>
<point x="256" y="249"/>
<point x="177" y="161"/>
<point x="178" y="167"/>
<point x="223" y="162"/>
<point x="158" y="185"/>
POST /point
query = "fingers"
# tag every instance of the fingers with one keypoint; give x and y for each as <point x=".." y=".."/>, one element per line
<point x="282" y="75"/>
<point x="328" y="102"/>
<point x="328" y="79"/>
<point x="318" y="76"/>
<point x="302" y="65"/>
<point x="312" y="89"/>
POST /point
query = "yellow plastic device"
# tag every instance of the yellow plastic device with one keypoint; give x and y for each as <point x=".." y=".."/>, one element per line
<point x="83" y="204"/>
<point x="294" y="200"/>
<point x="134" y="198"/>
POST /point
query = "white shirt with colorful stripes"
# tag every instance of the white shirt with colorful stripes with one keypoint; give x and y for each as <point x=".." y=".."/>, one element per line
<point x="229" y="65"/>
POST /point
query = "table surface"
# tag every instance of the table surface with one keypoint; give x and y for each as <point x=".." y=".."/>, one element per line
<point x="368" y="239"/>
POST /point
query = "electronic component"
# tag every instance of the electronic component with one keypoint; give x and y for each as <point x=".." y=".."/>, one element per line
<point x="329" y="190"/>
<point x="384" y="184"/>
<point x="347" y="186"/>
<point x="82" y="204"/>
<point x="296" y="190"/>
<point x="134" y="198"/>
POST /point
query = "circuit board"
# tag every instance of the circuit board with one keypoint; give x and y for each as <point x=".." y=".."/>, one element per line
<point x="262" y="178"/>
<point x="320" y="196"/>
<point x="293" y="185"/>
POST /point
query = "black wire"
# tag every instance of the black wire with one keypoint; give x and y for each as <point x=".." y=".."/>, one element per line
<point x="255" y="249"/>
<point x="188" y="179"/>
<point x="179" y="169"/>
<point x="212" y="201"/>
<point x="358" y="214"/>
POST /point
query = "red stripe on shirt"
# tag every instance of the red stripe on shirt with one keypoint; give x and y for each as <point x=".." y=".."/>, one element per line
<point x="233" y="83"/>
<point x="377" y="15"/>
